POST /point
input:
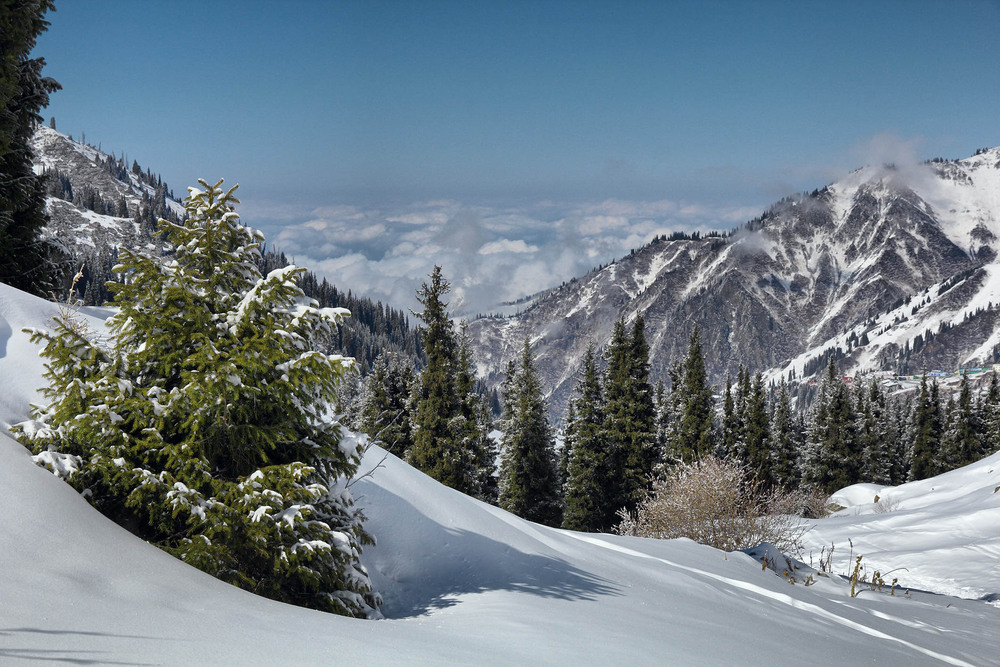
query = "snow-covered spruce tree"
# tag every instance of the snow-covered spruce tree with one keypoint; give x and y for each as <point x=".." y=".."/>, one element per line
<point x="384" y="409"/>
<point x="784" y="445"/>
<point x="833" y="456"/>
<point x="588" y="465"/>
<point x="435" y="401"/>
<point x="927" y="430"/>
<point x="529" y="474"/>
<point x="962" y="438"/>
<point x="693" y="437"/>
<point x="629" y="420"/>
<point x="450" y="418"/>
<point x="202" y="423"/>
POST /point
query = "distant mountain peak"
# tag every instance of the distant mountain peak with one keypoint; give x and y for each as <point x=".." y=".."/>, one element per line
<point x="810" y="269"/>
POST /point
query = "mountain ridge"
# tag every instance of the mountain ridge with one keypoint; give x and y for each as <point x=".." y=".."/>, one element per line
<point x="810" y="268"/>
<point x="97" y="203"/>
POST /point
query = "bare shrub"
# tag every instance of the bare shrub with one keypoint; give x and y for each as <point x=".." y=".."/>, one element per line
<point x="716" y="502"/>
<point x="807" y="503"/>
<point x="885" y="505"/>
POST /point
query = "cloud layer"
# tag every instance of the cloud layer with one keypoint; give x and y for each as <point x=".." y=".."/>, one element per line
<point x="490" y="255"/>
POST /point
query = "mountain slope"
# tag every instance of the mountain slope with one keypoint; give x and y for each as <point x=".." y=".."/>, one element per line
<point x="105" y="201"/>
<point x="808" y="269"/>
<point x="98" y="204"/>
<point x="465" y="583"/>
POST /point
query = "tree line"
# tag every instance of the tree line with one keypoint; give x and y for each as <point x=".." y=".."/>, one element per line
<point x="621" y="431"/>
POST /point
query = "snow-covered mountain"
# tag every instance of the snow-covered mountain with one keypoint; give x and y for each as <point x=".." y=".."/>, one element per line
<point x="94" y="176"/>
<point x="782" y="289"/>
<point x="467" y="583"/>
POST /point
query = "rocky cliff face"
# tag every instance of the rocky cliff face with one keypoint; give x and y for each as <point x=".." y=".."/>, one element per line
<point x="810" y="274"/>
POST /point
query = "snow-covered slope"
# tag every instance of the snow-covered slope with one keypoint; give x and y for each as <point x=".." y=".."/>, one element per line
<point x="938" y="534"/>
<point x="466" y="583"/>
<point x="77" y="230"/>
<point x="811" y="268"/>
<point x="954" y="324"/>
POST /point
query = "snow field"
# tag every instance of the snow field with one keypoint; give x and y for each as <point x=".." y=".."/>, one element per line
<point x="466" y="583"/>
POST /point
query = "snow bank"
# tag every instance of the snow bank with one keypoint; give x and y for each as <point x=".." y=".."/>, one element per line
<point x="937" y="534"/>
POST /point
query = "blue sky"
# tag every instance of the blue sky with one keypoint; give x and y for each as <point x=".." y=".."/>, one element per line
<point x="372" y="139"/>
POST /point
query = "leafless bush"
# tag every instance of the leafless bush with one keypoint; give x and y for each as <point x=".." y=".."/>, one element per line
<point x="716" y="502"/>
<point x="807" y="503"/>
<point x="885" y="505"/>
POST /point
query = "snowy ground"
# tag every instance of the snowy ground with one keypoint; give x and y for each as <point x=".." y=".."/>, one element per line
<point x="466" y="583"/>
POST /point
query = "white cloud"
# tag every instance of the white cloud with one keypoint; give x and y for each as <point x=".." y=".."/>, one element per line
<point x="506" y="245"/>
<point x="490" y="255"/>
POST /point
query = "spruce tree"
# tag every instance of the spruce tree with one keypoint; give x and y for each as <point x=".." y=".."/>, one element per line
<point x="694" y="438"/>
<point x="897" y="418"/>
<point x="642" y="454"/>
<point x="757" y="429"/>
<point x="629" y="418"/>
<point x="966" y="429"/>
<point x="384" y="411"/>
<point x="529" y="475"/>
<point x="437" y="448"/>
<point x="927" y="432"/>
<point x="878" y="437"/>
<point x="731" y="427"/>
<point x="783" y="446"/>
<point x="834" y="455"/>
<point x="617" y="417"/>
<point x="670" y="411"/>
<point x="566" y="452"/>
<point x="663" y="416"/>
<point x="588" y="468"/>
<point x="989" y="412"/>
<point x="202" y="423"/>
<point x="26" y="262"/>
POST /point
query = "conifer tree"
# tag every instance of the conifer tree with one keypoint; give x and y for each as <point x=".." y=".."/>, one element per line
<point x="783" y="443"/>
<point x="629" y="418"/>
<point x="694" y="438"/>
<point x="202" y="424"/>
<point x="384" y="412"/>
<point x="834" y="456"/>
<point x="963" y="442"/>
<point x="878" y="437"/>
<point x="757" y="429"/>
<point x="437" y="447"/>
<point x="897" y="418"/>
<point x="617" y="415"/>
<point x="663" y="416"/>
<point x="566" y="453"/>
<point x="642" y="454"/>
<point x="741" y="412"/>
<point x="529" y="475"/>
<point x="730" y="429"/>
<point x="990" y="417"/>
<point x="927" y="431"/>
<point x="670" y="410"/>
<point x="26" y="262"/>
<point x="588" y="467"/>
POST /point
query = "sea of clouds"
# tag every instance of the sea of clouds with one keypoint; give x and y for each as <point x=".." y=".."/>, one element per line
<point x="490" y="255"/>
